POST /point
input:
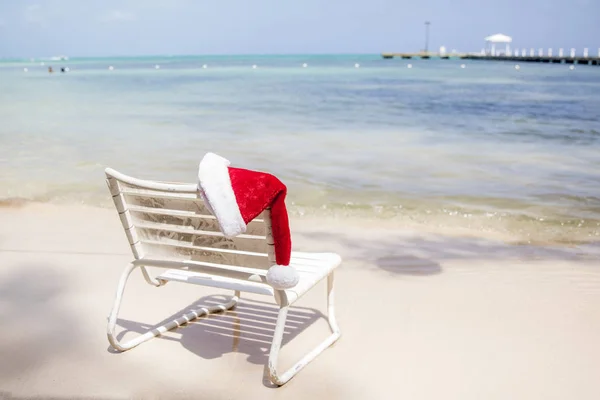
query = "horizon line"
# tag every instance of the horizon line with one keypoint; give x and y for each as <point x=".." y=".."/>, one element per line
<point x="186" y="55"/>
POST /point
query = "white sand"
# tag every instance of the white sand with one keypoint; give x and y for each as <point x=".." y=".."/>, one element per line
<point x="422" y="317"/>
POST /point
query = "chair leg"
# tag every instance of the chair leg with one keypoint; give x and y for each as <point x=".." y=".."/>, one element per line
<point x="331" y="306"/>
<point x="281" y="379"/>
<point x="151" y="333"/>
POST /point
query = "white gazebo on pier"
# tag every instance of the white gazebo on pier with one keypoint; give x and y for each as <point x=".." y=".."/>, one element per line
<point x="498" y="38"/>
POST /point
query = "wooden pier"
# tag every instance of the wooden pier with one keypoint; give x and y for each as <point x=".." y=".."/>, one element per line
<point x="531" y="58"/>
<point x="421" y="55"/>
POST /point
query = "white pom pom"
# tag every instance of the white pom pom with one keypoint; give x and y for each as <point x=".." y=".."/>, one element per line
<point x="282" y="277"/>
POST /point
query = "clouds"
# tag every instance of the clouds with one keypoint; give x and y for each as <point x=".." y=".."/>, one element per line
<point x="117" y="16"/>
<point x="272" y="26"/>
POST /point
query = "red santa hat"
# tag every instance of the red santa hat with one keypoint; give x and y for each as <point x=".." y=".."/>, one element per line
<point x="236" y="196"/>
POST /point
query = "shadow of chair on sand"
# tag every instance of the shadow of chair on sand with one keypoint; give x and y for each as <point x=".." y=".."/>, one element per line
<point x="248" y="328"/>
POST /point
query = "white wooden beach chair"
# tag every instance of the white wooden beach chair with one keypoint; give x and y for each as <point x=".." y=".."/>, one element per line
<point x="169" y="227"/>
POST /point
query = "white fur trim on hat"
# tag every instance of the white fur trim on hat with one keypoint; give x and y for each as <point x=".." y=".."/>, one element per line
<point x="216" y="191"/>
<point x="282" y="277"/>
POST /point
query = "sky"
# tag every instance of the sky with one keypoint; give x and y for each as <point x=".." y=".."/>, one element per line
<point x="40" y="28"/>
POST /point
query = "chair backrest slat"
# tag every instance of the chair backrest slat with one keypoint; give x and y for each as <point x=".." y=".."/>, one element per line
<point x="142" y="215"/>
<point x="170" y="221"/>
<point x="167" y="249"/>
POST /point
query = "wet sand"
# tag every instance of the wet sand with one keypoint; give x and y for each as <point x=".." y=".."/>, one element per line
<point x="423" y="316"/>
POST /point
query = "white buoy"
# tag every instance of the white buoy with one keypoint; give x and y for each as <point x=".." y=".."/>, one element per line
<point x="25" y="70"/>
<point x="157" y="66"/>
<point x="42" y="63"/>
<point x="572" y="67"/>
<point x="409" y="66"/>
<point x="67" y="69"/>
<point x="110" y="68"/>
<point x="254" y="66"/>
<point x="463" y="66"/>
<point x="304" y="65"/>
<point x="356" y="65"/>
<point x="517" y="67"/>
<point x="205" y="66"/>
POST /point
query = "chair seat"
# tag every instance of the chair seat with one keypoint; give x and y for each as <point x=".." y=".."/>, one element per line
<point x="312" y="268"/>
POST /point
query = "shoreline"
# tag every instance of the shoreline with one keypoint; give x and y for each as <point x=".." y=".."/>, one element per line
<point x="340" y="220"/>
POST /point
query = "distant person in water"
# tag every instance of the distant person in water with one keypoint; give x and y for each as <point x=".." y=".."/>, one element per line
<point x="62" y="69"/>
<point x="50" y="70"/>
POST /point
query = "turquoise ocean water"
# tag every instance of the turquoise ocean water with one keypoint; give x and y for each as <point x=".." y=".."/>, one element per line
<point x="485" y="148"/>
